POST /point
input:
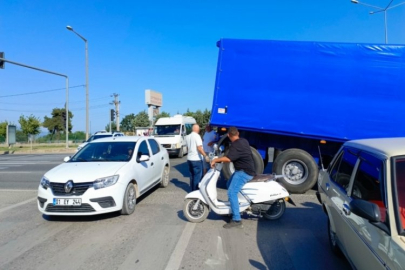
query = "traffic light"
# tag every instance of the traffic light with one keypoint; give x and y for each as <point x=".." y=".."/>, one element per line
<point x="2" y="62"/>
<point x="112" y="115"/>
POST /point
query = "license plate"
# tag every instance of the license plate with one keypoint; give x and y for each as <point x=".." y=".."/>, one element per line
<point x="63" y="202"/>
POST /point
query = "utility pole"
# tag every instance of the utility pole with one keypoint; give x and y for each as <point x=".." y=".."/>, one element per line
<point x="116" y="102"/>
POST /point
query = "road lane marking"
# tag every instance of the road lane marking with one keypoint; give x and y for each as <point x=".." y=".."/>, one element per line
<point x="220" y="256"/>
<point x="22" y="190"/>
<point x="28" y="163"/>
<point x="16" y="205"/>
<point x="178" y="253"/>
<point x="41" y="172"/>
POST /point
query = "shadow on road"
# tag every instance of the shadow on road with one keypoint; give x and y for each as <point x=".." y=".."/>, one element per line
<point x="184" y="186"/>
<point x="301" y="233"/>
<point x="183" y="169"/>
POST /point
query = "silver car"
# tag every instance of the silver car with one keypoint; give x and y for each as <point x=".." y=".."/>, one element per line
<point x="363" y="194"/>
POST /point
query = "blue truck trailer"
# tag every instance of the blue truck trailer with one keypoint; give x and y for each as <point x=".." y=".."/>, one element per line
<point x="289" y="99"/>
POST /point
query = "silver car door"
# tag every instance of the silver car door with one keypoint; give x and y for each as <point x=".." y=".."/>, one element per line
<point x="366" y="244"/>
<point x="336" y="190"/>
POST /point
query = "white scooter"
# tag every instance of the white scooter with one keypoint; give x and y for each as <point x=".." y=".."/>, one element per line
<point x="261" y="196"/>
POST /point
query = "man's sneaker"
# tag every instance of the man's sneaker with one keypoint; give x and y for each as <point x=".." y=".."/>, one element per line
<point x="233" y="224"/>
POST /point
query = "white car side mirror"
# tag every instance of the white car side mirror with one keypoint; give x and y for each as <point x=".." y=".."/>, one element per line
<point x="66" y="159"/>
<point x="143" y="158"/>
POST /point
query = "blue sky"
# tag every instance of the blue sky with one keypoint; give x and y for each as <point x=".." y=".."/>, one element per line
<point x="167" y="46"/>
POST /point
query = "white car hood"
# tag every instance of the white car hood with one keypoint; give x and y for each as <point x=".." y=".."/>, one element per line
<point x="81" y="172"/>
<point x="168" y="140"/>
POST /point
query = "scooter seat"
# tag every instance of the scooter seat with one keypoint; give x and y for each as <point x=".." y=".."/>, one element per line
<point x="262" y="178"/>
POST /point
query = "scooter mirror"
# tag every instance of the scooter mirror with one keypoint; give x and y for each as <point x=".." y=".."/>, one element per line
<point x="222" y="148"/>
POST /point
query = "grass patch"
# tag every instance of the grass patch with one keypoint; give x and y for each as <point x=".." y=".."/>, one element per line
<point x="27" y="147"/>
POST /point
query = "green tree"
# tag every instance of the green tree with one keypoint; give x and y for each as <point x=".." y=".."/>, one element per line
<point x="3" y="128"/>
<point x="20" y="136"/>
<point x="113" y="126"/>
<point x="160" y="115"/>
<point x="30" y="125"/>
<point x="127" y="123"/>
<point x="141" y="120"/>
<point x="202" y="118"/>
<point x="56" y="124"/>
<point x="3" y="131"/>
<point x="77" y="136"/>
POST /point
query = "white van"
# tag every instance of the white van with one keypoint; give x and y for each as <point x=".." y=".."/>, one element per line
<point x="171" y="133"/>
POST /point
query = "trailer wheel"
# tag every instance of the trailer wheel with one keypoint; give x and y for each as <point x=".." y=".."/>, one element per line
<point x="299" y="169"/>
<point x="228" y="169"/>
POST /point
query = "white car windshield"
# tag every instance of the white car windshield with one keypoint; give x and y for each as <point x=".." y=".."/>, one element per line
<point x="105" y="151"/>
<point x="167" y="130"/>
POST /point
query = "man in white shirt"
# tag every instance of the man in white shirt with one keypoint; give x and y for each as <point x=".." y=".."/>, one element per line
<point x="210" y="137"/>
<point x="195" y="156"/>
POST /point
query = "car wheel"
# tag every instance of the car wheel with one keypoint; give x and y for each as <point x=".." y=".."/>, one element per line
<point x="275" y="211"/>
<point x="195" y="215"/>
<point x="333" y="240"/>
<point x="128" y="207"/>
<point x="165" y="177"/>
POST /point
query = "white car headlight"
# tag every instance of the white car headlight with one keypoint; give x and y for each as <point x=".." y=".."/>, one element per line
<point x="105" y="181"/>
<point x="44" y="182"/>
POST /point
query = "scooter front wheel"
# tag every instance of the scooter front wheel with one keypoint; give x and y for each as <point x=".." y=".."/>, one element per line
<point x="194" y="212"/>
<point x="275" y="211"/>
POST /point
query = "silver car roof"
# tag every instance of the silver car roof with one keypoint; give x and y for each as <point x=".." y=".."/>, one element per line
<point x="386" y="146"/>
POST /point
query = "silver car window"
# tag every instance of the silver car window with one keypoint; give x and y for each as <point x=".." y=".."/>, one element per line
<point x="369" y="182"/>
<point x="342" y="169"/>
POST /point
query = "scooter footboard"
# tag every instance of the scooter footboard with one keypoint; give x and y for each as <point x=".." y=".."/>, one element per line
<point x="196" y="194"/>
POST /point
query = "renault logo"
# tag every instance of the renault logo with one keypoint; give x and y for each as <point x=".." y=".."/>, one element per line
<point x="68" y="186"/>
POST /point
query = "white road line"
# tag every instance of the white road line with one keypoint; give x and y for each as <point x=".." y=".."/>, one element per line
<point x="20" y="190"/>
<point x="28" y="163"/>
<point x="178" y="253"/>
<point x="3" y="172"/>
<point x="16" y="205"/>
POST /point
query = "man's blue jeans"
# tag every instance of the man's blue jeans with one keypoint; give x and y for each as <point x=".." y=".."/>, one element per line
<point x="196" y="171"/>
<point x="235" y="184"/>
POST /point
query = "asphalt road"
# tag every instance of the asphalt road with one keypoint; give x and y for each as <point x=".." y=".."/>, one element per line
<point x="156" y="236"/>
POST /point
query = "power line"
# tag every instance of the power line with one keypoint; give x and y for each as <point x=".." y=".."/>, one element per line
<point x="40" y="92"/>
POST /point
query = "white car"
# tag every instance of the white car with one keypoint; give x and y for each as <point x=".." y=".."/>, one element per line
<point x="100" y="135"/>
<point x="363" y="194"/>
<point x="107" y="175"/>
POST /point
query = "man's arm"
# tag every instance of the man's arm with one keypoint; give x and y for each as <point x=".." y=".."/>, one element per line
<point x="221" y="159"/>
<point x="201" y="150"/>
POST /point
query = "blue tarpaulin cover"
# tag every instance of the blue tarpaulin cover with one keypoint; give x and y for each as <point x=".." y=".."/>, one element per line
<point x="336" y="91"/>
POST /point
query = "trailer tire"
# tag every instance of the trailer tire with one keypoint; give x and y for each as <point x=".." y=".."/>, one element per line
<point x="228" y="169"/>
<point x="299" y="169"/>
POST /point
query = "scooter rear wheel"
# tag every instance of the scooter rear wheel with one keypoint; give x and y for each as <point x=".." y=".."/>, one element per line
<point x="198" y="215"/>
<point x="275" y="211"/>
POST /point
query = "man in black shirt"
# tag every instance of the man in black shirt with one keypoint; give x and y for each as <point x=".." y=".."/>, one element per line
<point x="241" y="156"/>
